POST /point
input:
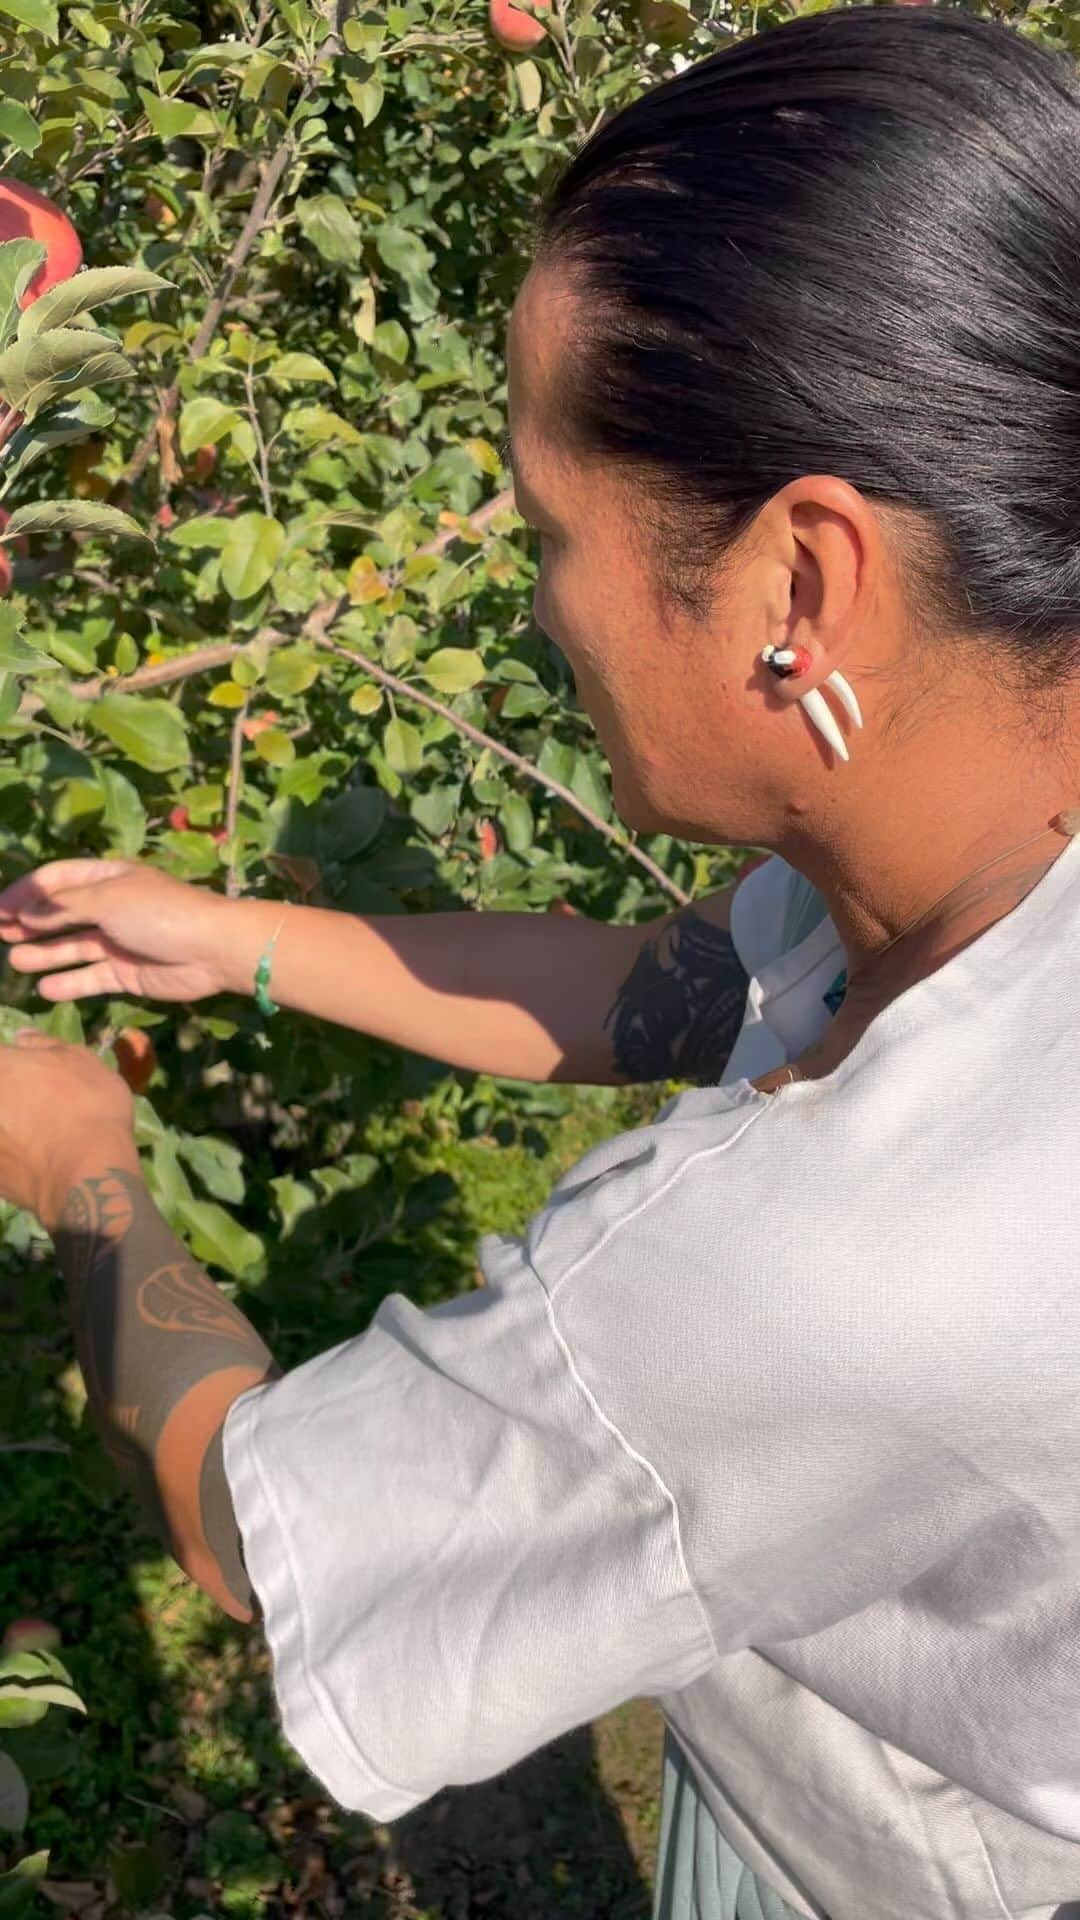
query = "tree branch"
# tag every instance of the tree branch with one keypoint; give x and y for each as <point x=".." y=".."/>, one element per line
<point x="403" y="690"/>
<point x="236" y="781"/>
<point x="316" y="630"/>
<point x="269" y="181"/>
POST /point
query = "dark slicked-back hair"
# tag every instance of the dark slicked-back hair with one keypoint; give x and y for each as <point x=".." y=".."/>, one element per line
<point x="848" y="245"/>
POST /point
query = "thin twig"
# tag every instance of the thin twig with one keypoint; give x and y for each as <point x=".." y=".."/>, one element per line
<point x="406" y="691"/>
<point x="34" y="1446"/>
<point x="267" y="188"/>
<point x="236" y="781"/>
<point x="316" y="629"/>
<point x="270" y="179"/>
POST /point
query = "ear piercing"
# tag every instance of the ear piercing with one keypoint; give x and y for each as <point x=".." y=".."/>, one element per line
<point x="787" y="663"/>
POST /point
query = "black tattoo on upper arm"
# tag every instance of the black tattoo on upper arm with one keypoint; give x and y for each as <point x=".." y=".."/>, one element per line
<point x="678" y="1012"/>
<point x="153" y="1334"/>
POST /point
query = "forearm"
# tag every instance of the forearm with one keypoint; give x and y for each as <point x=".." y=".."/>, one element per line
<point x="526" y="996"/>
<point x="163" y="1355"/>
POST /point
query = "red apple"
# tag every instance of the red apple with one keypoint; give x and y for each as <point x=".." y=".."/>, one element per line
<point x="180" y="819"/>
<point x="488" y="835"/>
<point x="516" y="31"/>
<point x="7" y="572"/>
<point x="25" y="214"/>
<point x="31" y="1636"/>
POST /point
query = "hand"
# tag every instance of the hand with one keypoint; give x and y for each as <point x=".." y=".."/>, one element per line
<point x="142" y="933"/>
<point x="62" y="1112"/>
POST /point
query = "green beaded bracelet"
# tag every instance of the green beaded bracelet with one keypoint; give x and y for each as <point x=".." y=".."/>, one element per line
<point x="263" y="1001"/>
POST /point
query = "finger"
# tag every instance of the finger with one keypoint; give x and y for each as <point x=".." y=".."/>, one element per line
<point x="29" y="957"/>
<point x="73" y="907"/>
<point x="77" y="985"/>
<point x="37" y="888"/>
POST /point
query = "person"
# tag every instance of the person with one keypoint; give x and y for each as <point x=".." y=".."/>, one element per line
<point x="771" y="1412"/>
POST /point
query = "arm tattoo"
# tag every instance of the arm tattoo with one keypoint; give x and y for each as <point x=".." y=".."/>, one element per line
<point x="678" y="1012"/>
<point x="163" y="1354"/>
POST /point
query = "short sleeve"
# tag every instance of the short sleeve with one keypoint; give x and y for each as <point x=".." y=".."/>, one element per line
<point x="774" y="908"/>
<point x="457" y="1555"/>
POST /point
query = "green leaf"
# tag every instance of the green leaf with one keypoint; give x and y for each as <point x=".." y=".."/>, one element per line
<point x="206" y="530"/>
<point x="391" y="340"/>
<point x="403" y="746"/>
<point x="19" y="127"/>
<point x="516" y="817"/>
<point x="452" y="669"/>
<point x="404" y="252"/>
<point x="320" y="426"/>
<point x="72" y="516"/>
<point x="19" y="261"/>
<point x="366" y="698"/>
<point x="57" y="426"/>
<point x="124" y="816"/>
<point x="18" y="1885"/>
<point x="217" y="1163"/>
<point x="326" y="221"/>
<point x="250" y="554"/>
<point x="52" y="1693"/>
<point x="14" y="1795"/>
<point x="149" y="732"/>
<point x="292" y="670"/>
<point x="275" y="747"/>
<point x="530" y="86"/>
<point x="300" y="366"/>
<point x="217" y="1237"/>
<point x="172" y="119"/>
<point x="85" y="291"/>
<point x="437" y="810"/>
<point x="587" y="783"/>
<point x="367" y="97"/>
<point x="204" y="421"/>
<point x="16" y="654"/>
<point x="41" y="15"/>
<point x="61" y="361"/>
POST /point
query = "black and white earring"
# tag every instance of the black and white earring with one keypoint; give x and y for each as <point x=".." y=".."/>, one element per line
<point x="787" y="663"/>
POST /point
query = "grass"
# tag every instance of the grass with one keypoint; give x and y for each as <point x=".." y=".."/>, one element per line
<point x="179" y="1794"/>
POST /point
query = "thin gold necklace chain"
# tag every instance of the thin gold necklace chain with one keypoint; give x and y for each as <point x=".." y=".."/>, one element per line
<point x="1066" y="822"/>
<point x="1071" y="816"/>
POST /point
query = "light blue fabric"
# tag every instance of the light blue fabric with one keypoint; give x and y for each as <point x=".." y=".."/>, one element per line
<point x="805" y="909"/>
<point x="698" y="1875"/>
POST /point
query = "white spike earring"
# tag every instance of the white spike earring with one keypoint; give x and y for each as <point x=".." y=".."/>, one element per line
<point x="787" y="663"/>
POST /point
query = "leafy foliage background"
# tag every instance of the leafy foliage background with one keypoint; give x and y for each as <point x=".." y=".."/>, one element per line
<point x="282" y="689"/>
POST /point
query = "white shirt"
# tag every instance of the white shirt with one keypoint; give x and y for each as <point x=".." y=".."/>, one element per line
<point x="772" y="1413"/>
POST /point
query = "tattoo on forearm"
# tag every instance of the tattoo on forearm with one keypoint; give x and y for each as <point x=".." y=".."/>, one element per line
<point x="156" y="1339"/>
<point x="678" y="1013"/>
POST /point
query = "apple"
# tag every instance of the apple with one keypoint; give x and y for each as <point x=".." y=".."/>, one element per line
<point x="487" y="834"/>
<point x="159" y="210"/>
<point x="516" y="31"/>
<point x="31" y="1636"/>
<point x="25" y="214"/>
<point x="179" y="819"/>
<point x="7" y="572"/>
<point x="205" y="461"/>
<point x="135" y="1057"/>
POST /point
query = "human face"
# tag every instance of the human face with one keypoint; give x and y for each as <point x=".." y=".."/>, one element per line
<point x="693" y="724"/>
<point x="666" y="694"/>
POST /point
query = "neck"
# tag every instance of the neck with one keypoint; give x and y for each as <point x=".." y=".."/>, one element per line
<point x="900" y="836"/>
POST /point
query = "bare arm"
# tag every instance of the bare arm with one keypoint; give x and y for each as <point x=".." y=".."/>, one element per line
<point x="163" y="1354"/>
<point x="527" y="996"/>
